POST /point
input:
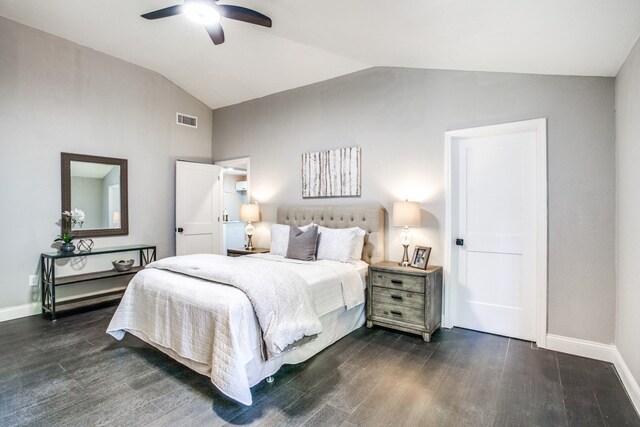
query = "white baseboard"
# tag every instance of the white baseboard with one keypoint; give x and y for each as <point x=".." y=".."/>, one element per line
<point x="629" y="382"/>
<point x="18" y="311"/>
<point x="577" y="347"/>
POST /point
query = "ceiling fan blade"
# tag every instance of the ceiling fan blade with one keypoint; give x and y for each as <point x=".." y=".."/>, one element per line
<point x="163" y="13"/>
<point x="243" y="14"/>
<point x="215" y="32"/>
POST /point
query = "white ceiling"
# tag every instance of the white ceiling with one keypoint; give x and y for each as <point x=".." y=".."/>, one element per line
<point x="315" y="40"/>
<point x="90" y="170"/>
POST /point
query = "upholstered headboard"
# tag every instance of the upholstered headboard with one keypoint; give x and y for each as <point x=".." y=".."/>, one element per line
<point x="368" y="217"/>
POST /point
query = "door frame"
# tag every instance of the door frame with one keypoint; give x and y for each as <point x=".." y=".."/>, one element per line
<point x="451" y="138"/>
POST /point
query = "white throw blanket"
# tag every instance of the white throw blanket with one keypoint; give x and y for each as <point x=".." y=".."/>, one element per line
<point x="279" y="296"/>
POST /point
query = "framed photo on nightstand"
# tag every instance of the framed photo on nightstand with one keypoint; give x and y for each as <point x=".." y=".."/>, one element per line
<point x="420" y="257"/>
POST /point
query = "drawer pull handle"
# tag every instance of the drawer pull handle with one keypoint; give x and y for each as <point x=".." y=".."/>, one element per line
<point x="397" y="313"/>
<point x="396" y="297"/>
<point x="396" y="281"/>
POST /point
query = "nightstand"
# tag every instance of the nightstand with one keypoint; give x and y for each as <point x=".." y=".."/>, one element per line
<point x="240" y="252"/>
<point x="405" y="298"/>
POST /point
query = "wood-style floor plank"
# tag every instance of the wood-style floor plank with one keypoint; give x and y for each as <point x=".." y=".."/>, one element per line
<point x="579" y="397"/>
<point x="478" y="407"/>
<point x="615" y="406"/>
<point x="71" y="373"/>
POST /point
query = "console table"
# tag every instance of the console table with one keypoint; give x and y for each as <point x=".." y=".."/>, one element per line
<point x="49" y="281"/>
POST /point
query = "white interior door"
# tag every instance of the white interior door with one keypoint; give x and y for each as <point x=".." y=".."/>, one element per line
<point x="494" y="218"/>
<point x="198" y="226"/>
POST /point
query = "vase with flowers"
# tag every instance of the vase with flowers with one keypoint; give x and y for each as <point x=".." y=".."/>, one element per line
<point x="69" y="219"/>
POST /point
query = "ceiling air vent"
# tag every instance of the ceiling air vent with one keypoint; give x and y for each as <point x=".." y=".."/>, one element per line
<point x="184" y="120"/>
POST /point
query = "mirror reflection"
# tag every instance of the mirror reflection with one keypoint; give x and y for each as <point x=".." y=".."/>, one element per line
<point x="95" y="189"/>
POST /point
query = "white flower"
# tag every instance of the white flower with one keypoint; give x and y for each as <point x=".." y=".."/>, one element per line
<point x="66" y="213"/>
<point x="78" y="215"/>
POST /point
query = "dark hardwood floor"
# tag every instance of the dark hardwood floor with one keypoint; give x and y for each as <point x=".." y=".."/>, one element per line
<point x="72" y="373"/>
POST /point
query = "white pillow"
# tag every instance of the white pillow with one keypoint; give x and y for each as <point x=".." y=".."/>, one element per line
<point x="340" y="244"/>
<point x="280" y="238"/>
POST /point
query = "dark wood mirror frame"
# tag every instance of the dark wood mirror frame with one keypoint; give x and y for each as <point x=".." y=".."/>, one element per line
<point x="66" y="159"/>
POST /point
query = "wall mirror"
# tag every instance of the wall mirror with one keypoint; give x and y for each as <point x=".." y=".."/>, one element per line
<point x="98" y="186"/>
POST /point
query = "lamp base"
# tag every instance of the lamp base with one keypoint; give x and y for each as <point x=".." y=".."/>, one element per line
<point x="405" y="257"/>
<point x="248" y="230"/>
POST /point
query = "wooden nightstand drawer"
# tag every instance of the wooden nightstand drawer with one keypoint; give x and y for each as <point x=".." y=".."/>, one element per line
<point x="405" y="298"/>
<point x="399" y="313"/>
<point x="404" y="282"/>
<point x="397" y="297"/>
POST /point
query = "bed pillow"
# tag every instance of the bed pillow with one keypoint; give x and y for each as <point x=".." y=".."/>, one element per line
<point x="340" y="244"/>
<point x="280" y="238"/>
<point x="302" y="244"/>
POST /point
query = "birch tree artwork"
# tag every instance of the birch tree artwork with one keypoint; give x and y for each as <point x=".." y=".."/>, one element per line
<point x="331" y="173"/>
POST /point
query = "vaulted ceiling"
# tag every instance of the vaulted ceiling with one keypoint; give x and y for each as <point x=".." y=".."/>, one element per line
<point x="315" y="40"/>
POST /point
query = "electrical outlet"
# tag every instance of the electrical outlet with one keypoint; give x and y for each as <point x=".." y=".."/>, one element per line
<point x="33" y="280"/>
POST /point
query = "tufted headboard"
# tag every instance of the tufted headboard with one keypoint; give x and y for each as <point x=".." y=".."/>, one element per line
<point x="368" y="217"/>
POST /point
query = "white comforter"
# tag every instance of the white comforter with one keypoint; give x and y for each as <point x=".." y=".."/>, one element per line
<point x="209" y="323"/>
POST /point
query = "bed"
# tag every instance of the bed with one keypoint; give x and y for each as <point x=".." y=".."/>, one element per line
<point x="213" y="328"/>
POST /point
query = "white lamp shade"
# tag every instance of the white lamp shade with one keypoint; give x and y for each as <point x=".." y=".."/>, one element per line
<point x="250" y="213"/>
<point x="406" y="214"/>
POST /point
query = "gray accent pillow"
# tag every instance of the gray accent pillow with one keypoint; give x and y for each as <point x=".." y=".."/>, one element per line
<point x="302" y="244"/>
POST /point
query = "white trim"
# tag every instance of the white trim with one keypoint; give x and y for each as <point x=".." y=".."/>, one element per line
<point x="540" y="126"/>
<point x="18" y="311"/>
<point x="630" y="383"/>
<point x="583" y="348"/>
<point x="24" y="310"/>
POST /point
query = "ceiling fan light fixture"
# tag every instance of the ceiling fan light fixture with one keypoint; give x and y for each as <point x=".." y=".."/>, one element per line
<point x="202" y="13"/>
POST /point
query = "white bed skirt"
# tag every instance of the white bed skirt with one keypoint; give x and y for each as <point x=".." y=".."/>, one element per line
<point x="336" y="324"/>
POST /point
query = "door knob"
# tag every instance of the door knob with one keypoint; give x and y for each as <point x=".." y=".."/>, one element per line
<point x="180" y="229"/>
<point x="459" y="242"/>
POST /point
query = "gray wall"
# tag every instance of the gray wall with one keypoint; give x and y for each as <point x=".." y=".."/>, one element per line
<point x="628" y="211"/>
<point x="399" y="116"/>
<point x="88" y="195"/>
<point x="58" y="96"/>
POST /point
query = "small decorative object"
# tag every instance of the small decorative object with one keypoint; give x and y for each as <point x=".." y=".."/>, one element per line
<point x="85" y="245"/>
<point x="122" y="265"/>
<point x="249" y="213"/>
<point x="69" y="219"/>
<point x="406" y="214"/>
<point x="420" y="257"/>
<point x="331" y="173"/>
<point x="67" y="247"/>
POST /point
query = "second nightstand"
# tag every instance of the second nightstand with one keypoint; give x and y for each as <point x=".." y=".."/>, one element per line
<point x="240" y="252"/>
<point x="405" y="298"/>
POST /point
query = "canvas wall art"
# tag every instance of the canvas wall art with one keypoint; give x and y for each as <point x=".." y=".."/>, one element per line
<point x="331" y="173"/>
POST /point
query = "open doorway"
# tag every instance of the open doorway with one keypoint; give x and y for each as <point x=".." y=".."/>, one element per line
<point x="235" y="192"/>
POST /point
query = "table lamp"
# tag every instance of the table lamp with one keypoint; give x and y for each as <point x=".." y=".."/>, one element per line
<point x="406" y="214"/>
<point x="249" y="213"/>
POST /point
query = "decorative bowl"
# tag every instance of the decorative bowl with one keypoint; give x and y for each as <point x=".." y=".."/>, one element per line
<point x="122" y="265"/>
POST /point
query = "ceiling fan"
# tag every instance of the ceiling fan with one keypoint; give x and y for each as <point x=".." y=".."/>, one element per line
<point x="208" y="13"/>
